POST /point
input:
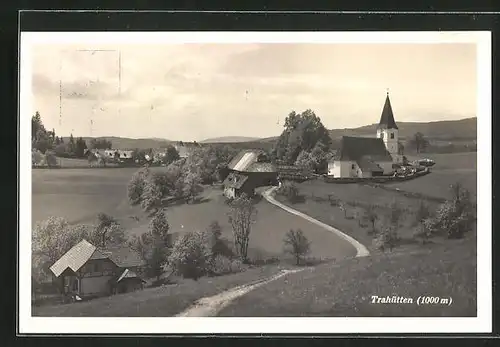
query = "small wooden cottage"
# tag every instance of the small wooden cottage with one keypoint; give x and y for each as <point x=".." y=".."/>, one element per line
<point x="88" y="271"/>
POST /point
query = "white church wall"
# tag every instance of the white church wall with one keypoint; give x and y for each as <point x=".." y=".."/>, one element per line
<point x="386" y="166"/>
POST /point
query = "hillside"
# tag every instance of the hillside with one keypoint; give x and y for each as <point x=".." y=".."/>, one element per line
<point x="442" y="130"/>
<point x="464" y="129"/>
<point x="230" y="139"/>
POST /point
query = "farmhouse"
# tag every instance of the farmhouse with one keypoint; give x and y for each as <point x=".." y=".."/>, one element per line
<point x="248" y="170"/>
<point x="369" y="156"/>
<point x="88" y="271"/>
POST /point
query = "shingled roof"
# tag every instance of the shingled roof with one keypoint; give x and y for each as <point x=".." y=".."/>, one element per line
<point x="74" y="259"/>
<point x="84" y="251"/>
<point x="366" y="148"/>
<point x="244" y="159"/>
<point x="387" y="118"/>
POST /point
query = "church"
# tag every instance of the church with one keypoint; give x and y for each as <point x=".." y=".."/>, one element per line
<point x="369" y="156"/>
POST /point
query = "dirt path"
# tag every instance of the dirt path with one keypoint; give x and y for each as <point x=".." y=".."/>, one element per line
<point x="361" y="250"/>
<point x="210" y="306"/>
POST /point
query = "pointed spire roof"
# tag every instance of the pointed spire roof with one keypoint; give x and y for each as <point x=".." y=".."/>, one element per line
<point x="387" y="118"/>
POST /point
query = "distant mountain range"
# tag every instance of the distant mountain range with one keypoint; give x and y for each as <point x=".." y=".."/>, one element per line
<point x="464" y="129"/>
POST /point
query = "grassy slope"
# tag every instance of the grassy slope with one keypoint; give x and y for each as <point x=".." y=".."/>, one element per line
<point x="79" y="195"/>
<point x="156" y="302"/>
<point x="445" y="268"/>
<point x="345" y="289"/>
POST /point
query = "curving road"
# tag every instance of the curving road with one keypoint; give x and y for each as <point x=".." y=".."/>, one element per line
<point x="361" y="250"/>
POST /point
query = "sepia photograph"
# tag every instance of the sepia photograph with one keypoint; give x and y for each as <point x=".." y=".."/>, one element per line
<point x="328" y="181"/>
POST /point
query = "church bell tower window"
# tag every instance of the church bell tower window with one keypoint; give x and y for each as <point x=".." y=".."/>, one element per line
<point x="392" y="135"/>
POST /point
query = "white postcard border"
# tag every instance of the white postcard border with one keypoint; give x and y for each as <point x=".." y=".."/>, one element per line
<point x="181" y="325"/>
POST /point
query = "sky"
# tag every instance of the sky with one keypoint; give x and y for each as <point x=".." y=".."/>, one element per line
<point x="198" y="91"/>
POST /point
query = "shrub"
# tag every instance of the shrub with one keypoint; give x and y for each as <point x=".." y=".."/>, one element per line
<point x="191" y="255"/>
<point x="222" y="265"/>
<point x="387" y="238"/>
<point x="454" y="217"/>
<point x="289" y="190"/>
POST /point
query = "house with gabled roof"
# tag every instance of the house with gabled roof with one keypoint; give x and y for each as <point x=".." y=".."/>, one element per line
<point x="88" y="271"/>
<point x="248" y="170"/>
<point x="369" y="156"/>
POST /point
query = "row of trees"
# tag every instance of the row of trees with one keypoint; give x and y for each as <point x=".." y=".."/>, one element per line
<point x="44" y="141"/>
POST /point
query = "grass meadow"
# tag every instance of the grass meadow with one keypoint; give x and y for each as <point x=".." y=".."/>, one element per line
<point x="345" y="289"/>
<point x="80" y="194"/>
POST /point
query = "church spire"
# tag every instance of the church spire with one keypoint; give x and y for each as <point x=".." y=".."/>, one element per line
<point x="387" y="118"/>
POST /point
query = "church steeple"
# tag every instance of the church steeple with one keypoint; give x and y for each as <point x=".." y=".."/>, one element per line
<point x="387" y="118"/>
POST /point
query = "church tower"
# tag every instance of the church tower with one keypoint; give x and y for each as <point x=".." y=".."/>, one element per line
<point x="388" y="131"/>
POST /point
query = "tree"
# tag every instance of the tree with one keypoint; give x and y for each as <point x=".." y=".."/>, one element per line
<point x="135" y="187"/>
<point x="192" y="185"/>
<point x="157" y="255"/>
<point x="343" y="207"/>
<point x="71" y="145"/>
<point x="107" y="231"/>
<point x="301" y="133"/>
<point x="117" y="156"/>
<point x="191" y="255"/>
<point x="80" y="147"/>
<point x="52" y="238"/>
<point x="171" y="155"/>
<point x="289" y="190"/>
<point x="296" y="244"/>
<point x="419" y="142"/>
<point x="306" y="161"/>
<point x="100" y="144"/>
<point x="51" y="159"/>
<point x="152" y="196"/>
<point x="371" y="216"/>
<point x="241" y="216"/>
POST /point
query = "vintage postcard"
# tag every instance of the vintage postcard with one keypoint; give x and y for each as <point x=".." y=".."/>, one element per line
<point x="320" y="182"/>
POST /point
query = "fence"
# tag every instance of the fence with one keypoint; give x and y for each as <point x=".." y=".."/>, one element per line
<point x="384" y="179"/>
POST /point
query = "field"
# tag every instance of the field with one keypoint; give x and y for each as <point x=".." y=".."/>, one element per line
<point x="345" y="289"/>
<point x="80" y="194"/>
<point x="433" y="187"/>
<point x="449" y="168"/>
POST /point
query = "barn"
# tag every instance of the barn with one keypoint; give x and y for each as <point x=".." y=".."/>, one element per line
<point x="248" y="170"/>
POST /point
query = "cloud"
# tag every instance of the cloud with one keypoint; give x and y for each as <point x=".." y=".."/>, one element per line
<point x="196" y="91"/>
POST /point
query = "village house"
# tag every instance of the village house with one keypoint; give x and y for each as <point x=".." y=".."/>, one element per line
<point x="369" y="156"/>
<point x="88" y="271"/>
<point x="248" y="170"/>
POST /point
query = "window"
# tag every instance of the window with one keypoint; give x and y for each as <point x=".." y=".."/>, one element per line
<point x="382" y="135"/>
<point x="96" y="267"/>
<point x="392" y="135"/>
<point x="352" y="166"/>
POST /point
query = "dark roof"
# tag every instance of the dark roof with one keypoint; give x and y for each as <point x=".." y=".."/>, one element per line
<point x="354" y="148"/>
<point x="387" y="118"/>
<point x="123" y="256"/>
<point x="244" y="159"/>
<point x="366" y="164"/>
<point x="235" y="180"/>
<point x="261" y="167"/>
